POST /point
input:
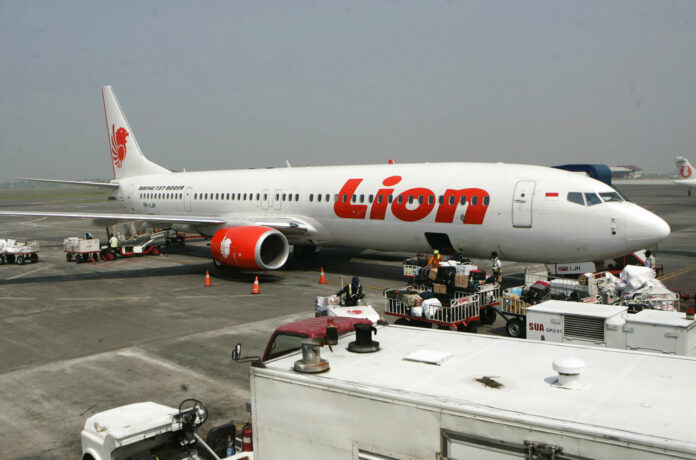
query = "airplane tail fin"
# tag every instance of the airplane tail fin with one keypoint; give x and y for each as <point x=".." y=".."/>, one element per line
<point x="684" y="168"/>
<point x="126" y="156"/>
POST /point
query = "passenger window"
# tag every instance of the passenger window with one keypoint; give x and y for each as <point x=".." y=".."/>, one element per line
<point x="462" y="200"/>
<point x="451" y="200"/>
<point x="289" y="196"/>
<point x="379" y="198"/>
<point x="441" y="199"/>
<point x="318" y="196"/>
<point x="206" y="196"/>
<point x="576" y="197"/>
<point x="420" y="199"/>
<point x="372" y="197"/>
<point x="277" y="197"/>
<point x="265" y="196"/>
<point x="391" y="198"/>
<point x="399" y="199"/>
<point x="335" y="197"/>
<point x="353" y="198"/>
<point x="592" y="199"/>
<point x="431" y="199"/>
<point x="327" y="197"/>
<point x="362" y="198"/>
<point x="486" y="200"/>
<point x="311" y="197"/>
<point x="474" y="200"/>
<point x="345" y="198"/>
<point x="410" y="199"/>
<point x="297" y="197"/>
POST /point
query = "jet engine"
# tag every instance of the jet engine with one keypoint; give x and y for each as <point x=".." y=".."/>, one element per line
<point x="254" y="247"/>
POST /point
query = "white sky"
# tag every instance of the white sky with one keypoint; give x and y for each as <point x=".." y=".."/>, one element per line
<point x="222" y="85"/>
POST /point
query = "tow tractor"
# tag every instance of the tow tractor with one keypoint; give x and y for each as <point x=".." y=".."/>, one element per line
<point x="151" y="430"/>
<point x="21" y="252"/>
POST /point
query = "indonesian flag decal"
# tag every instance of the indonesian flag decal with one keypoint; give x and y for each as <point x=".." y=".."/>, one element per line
<point x="552" y="196"/>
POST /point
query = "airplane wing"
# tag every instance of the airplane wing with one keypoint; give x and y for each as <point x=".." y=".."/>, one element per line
<point x="114" y="218"/>
<point x="72" y="182"/>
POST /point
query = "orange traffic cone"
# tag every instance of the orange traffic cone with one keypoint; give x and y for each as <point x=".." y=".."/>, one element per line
<point x="207" y="282"/>
<point x="256" y="288"/>
<point x="322" y="277"/>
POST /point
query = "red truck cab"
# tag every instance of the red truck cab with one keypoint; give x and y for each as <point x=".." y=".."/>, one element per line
<point x="288" y="337"/>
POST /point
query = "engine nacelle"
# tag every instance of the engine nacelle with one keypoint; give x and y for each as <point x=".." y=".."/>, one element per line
<point x="253" y="247"/>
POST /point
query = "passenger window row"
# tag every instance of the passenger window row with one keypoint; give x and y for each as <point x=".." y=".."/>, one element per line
<point x="161" y="196"/>
<point x="411" y="198"/>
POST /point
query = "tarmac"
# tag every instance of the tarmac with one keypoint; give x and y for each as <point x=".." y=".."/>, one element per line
<point x="78" y="339"/>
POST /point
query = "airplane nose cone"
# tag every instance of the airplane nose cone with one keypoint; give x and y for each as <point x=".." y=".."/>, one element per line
<point x="645" y="228"/>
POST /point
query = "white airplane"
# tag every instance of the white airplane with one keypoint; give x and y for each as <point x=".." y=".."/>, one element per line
<point x="525" y="213"/>
<point x="686" y="173"/>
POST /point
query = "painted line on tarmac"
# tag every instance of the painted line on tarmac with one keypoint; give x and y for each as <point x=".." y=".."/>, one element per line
<point x="17" y="298"/>
<point x="677" y="273"/>
<point x="23" y="274"/>
<point x="104" y="298"/>
<point x="226" y="296"/>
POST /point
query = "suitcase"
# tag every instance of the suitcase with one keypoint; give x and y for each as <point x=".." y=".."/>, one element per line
<point x="477" y="275"/>
<point x="425" y="295"/>
<point x="445" y="275"/>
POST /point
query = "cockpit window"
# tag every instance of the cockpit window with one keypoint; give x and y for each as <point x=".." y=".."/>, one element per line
<point x="576" y="197"/>
<point x="611" y="196"/>
<point x="592" y="199"/>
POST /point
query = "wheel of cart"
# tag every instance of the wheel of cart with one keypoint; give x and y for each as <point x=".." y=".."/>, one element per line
<point x="10" y="258"/>
<point x="487" y="315"/>
<point x="2" y="259"/>
<point x="514" y="327"/>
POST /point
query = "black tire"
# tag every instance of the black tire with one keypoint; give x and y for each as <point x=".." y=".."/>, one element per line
<point x="402" y="322"/>
<point x="304" y="251"/>
<point x="78" y="259"/>
<point x="95" y="257"/>
<point x="20" y="260"/>
<point x="515" y="328"/>
<point x="471" y="328"/>
<point x="487" y="315"/>
<point x="85" y="257"/>
<point x="68" y="256"/>
<point x="10" y="258"/>
<point x="34" y="258"/>
<point x="156" y="251"/>
<point x="2" y="260"/>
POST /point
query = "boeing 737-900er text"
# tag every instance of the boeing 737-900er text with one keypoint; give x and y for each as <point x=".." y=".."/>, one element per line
<point x="525" y="213"/>
<point x="686" y="174"/>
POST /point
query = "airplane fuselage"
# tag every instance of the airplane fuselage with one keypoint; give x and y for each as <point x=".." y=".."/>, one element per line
<point x="521" y="211"/>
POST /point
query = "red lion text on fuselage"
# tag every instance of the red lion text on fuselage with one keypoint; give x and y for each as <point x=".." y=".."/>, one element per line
<point x="413" y="204"/>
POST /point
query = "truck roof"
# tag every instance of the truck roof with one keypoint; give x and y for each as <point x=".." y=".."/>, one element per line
<point x="316" y="327"/>
<point x="594" y="310"/>
<point x="632" y="396"/>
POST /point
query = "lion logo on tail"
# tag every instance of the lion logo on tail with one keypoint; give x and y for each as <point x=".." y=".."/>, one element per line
<point x="685" y="171"/>
<point x="118" y="145"/>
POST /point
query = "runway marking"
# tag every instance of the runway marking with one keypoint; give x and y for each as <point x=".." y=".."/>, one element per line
<point x="17" y="298"/>
<point x="226" y="296"/>
<point x="677" y="273"/>
<point x="23" y="274"/>
<point x="104" y="298"/>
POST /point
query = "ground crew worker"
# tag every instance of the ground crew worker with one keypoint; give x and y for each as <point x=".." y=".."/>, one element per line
<point x="113" y="244"/>
<point x="496" y="266"/>
<point x="649" y="259"/>
<point x="353" y="292"/>
<point x="434" y="260"/>
<point x="88" y="236"/>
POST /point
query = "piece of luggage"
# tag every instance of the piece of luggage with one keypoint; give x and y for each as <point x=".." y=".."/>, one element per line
<point x="445" y="275"/>
<point x="425" y="295"/>
<point x="477" y="275"/>
<point x="420" y="261"/>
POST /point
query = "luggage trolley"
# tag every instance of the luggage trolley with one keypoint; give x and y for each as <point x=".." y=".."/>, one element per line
<point x="461" y="313"/>
<point x="21" y="252"/>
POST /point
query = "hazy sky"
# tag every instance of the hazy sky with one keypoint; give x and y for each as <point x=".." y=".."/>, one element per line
<point x="222" y="85"/>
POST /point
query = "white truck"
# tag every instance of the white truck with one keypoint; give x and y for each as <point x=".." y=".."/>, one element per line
<point x="434" y="394"/>
<point x="668" y="332"/>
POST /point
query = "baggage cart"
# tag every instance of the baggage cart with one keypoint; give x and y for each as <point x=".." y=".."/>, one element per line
<point x="461" y="313"/>
<point x="82" y="250"/>
<point x="20" y="252"/>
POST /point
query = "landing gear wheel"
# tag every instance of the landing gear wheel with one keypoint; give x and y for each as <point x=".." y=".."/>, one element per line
<point x="20" y="260"/>
<point x="515" y="328"/>
<point x="193" y="411"/>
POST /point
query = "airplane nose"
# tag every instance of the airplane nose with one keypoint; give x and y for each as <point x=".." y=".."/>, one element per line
<point x="645" y="228"/>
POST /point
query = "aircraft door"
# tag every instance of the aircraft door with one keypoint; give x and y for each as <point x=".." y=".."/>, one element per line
<point x="187" y="199"/>
<point x="277" y="194"/>
<point x="522" y="204"/>
<point x="265" y="198"/>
